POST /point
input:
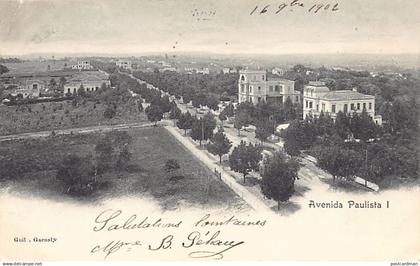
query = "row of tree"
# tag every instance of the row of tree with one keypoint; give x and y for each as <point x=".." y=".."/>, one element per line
<point x="355" y="145"/>
<point x="201" y="90"/>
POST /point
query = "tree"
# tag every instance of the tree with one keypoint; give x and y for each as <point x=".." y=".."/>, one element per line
<point x="154" y="113"/>
<point x="362" y="126"/>
<point x="342" y="125"/>
<point x="222" y="117"/>
<point x="3" y="69"/>
<point x="241" y="120"/>
<point x="164" y="104"/>
<point x="185" y="122"/>
<point x="323" y="125"/>
<point x="75" y="171"/>
<point x="289" y="110"/>
<point x="212" y="102"/>
<point x="61" y="82"/>
<point x="81" y="91"/>
<point x="202" y="129"/>
<point x="229" y="110"/>
<point x="175" y="112"/>
<point x="278" y="178"/>
<point x="300" y="135"/>
<point x="339" y="162"/>
<point x="53" y="83"/>
<point x="245" y="158"/>
<point x="109" y="112"/>
<point x="292" y="146"/>
<point x="219" y="145"/>
<point x="264" y="129"/>
<point x="197" y="100"/>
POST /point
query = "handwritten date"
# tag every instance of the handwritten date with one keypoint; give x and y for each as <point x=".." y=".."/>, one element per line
<point x="313" y="8"/>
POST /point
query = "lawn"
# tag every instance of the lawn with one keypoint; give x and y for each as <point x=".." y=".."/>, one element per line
<point x="33" y="165"/>
<point x="61" y="115"/>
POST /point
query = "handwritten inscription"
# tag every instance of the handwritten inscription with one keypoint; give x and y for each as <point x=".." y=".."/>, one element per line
<point x="313" y="8"/>
<point x="203" y="15"/>
<point x="205" y="240"/>
<point x="197" y="239"/>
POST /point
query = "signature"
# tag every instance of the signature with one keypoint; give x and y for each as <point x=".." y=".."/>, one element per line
<point x="197" y="239"/>
<point x="114" y="246"/>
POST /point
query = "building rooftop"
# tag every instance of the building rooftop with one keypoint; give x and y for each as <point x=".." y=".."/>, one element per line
<point x="252" y="71"/>
<point x="316" y="83"/>
<point x="89" y="76"/>
<point x="344" y="95"/>
<point x="278" y="79"/>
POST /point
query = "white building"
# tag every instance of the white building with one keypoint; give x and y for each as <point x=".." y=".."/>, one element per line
<point x="124" y="64"/>
<point x="82" y="65"/>
<point x="278" y="71"/>
<point x="254" y="86"/>
<point x="90" y="81"/>
<point x="28" y="88"/>
<point x="318" y="98"/>
<point x="226" y="70"/>
<point x="204" y="71"/>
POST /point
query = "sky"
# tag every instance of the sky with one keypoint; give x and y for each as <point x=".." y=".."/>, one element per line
<point x="214" y="26"/>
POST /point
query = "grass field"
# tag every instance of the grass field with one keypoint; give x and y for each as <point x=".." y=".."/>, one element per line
<point x="151" y="148"/>
<point x="61" y="115"/>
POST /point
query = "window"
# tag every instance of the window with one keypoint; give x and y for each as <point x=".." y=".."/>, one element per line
<point x="370" y="106"/>
<point x="345" y="108"/>
<point x="317" y="107"/>
<point x="297" y="99"/>
<point x="333" y="108"/>
<point x="310" y="105"/>
<point x="277" y="88"/>
<point x="259" y="99"/>
<point x="306" y="104"/>
<point x="68" y="90"/>
<point x="34" y="86"/>
<point x="242" y="88"/>
<point x="262" y="77"/>
<point x="259" y="88"/>
<point x="352" y="106"/>
<point x="364" y="106"/>
<point x="323" y="107"/>
<point x="271" y="88"/>
<point x="242" y="78"/>
<point x="358" y="106"/>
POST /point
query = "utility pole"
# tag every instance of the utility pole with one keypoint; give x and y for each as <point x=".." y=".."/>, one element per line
<point x="366" y="167"/>
<point x="202" y="130"/>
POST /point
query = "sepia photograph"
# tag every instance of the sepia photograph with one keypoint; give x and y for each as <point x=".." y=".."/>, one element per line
<point x="192" y="130"/>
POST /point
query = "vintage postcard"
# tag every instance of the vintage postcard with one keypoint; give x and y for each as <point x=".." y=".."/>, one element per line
<point x="209" y="130"/>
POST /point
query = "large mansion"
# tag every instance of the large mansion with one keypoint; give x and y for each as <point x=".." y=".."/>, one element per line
<point x="254" y="86"/>
<point x="90" y="81"/>
<point x="319" y="98"/>
<point x="124" y="64"/>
